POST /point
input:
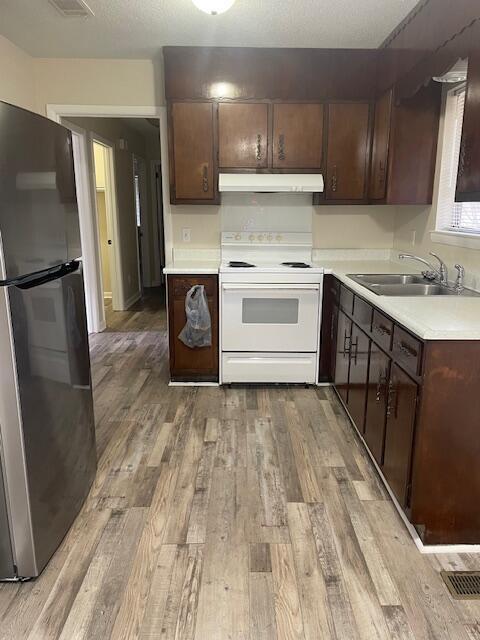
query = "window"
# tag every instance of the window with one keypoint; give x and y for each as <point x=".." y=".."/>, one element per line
<point x="454" y="217"/>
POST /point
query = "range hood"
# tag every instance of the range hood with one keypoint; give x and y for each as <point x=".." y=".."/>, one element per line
<point x="271" y="182"/>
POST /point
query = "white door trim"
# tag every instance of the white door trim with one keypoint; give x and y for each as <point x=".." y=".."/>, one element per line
<point x="91" y="252"/>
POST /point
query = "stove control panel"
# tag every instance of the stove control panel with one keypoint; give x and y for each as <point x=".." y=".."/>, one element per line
<point x="266" y="237"/>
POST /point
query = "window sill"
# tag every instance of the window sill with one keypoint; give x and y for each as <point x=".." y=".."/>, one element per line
<point x="457" y="239"/>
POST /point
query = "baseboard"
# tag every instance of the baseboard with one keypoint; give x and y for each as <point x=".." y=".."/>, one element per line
<point x="130" y="301"/>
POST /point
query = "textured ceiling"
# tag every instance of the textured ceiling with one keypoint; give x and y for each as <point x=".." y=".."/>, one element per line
<point x="138" y="28"/>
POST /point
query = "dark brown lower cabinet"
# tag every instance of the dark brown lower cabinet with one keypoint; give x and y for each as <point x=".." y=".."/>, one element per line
<point x="186" y="364"/>
<point x="358" y="376"/>
<point x="401" y="407"/>
<point x="378" y="376"/>
<point x="342" y="355"/>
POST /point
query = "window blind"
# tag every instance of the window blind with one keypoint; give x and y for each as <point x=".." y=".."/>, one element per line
<point x="454" y="216"/>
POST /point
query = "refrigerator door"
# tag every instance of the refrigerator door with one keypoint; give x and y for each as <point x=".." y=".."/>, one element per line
<point x="38" y="206"/>
<point x="6" y="558"/>
<point x="54" y="389"/>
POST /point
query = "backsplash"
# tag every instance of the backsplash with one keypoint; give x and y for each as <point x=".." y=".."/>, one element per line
<point x="266" y="212"/>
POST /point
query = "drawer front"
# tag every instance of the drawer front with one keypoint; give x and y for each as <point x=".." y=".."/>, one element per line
<point x="346" y="299"/>
<point x="382" y="330"/>
<point x="407" y="350"/>
<point x="181" y="285"/>
<point x="268" y="367"/>
<point x="362" y="313"/>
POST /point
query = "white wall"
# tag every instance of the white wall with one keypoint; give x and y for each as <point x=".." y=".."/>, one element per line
<point x="17" y="76"/>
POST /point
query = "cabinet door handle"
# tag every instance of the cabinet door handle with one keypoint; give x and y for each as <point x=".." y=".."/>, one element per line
<point x="381" y="168"/>
<point x="334" y="180"/>
<point x="392" y="396"/>
<point x="382" y="381"/>
<point x="346" y="347"/>
<point x="354" y="351"/>
<point x="281" y="146"/>
<point x="259" y="148"/>
<point x="205" y="178"/>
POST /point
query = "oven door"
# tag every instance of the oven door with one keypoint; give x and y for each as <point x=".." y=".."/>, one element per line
<point x="270" y="317"/>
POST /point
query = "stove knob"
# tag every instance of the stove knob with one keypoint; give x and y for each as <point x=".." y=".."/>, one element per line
<point x="238" y="236"/>
<point x="260" y="237"/>
<point x="278" y="237"/>
<point x="251" y="237"/>
<point x="269" y="237"/>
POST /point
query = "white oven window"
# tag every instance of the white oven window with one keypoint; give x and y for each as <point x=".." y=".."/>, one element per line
<point x="270" y="311"/>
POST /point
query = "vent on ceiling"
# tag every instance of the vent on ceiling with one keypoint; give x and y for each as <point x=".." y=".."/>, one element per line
<point x="463" y="585"/>
<point x="72" y="8"/>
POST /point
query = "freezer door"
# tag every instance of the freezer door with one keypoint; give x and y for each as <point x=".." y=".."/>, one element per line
<point x="6" y="558"/>
<point x="53" y="370"/>
<point x="38" y="205"/>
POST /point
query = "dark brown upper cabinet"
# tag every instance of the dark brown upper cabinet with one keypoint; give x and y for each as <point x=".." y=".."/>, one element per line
<point x="191" y="139"/>
<point x="242" y="135"/>
<point x="347" y="151"/>
<point x="468" y="181"/>
<point x="297" y="136"/>
<point x="381" y="138"/>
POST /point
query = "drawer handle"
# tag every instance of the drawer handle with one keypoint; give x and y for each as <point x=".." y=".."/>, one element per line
<point x="383" y="331"/>
<point x="259" y="148"/>
<point x="407" y="350"/>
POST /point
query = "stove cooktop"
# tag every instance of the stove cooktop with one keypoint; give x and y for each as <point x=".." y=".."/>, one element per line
<point x="239" y="264"/>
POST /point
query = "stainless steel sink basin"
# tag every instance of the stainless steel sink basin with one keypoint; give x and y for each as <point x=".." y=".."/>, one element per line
<point x="400" y="284"/>
<point x="388" y="278"/>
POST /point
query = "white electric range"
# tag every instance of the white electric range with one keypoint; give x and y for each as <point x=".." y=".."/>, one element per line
<point x="270" y="308"/>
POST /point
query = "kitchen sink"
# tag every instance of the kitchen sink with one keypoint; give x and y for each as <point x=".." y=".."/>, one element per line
<point x="389" y="284"/>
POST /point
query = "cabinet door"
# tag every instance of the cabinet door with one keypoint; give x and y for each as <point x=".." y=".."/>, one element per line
<point x="401" y="406"/>
<point x="357" y="380"/>
<point x="347" y="155"/>
<point x="342" y="355"/>
<point x="328" y="333"/>
<point x="186" y="363"/>
<point x="242" y="135"/>
<point x="381" y="137"/>
<point x="297" y="136"/>
<point x="192" y="172"/>
<point x="468" y="181"/>
<point x="378" y="376"/>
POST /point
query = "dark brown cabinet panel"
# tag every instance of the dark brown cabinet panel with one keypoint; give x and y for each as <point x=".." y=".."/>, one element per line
<point x="381" y="137"/>
<point x="297" y="136"/>
<point x="378" y="376"/>
<point x="328" y="336"/>
<point x="468" y="181"/>
<point x="242" y="135"/>
<point x="199" y="364"/>
<point x="401" y="407"/>
<point x="348" y="152"/>
<point x="342" y="355"/>
<point x="192" y="170"/>
<point x="358" y="376"/>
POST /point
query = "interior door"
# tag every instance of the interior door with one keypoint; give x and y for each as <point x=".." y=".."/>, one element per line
<point x="347" y="155"/>
<point x="376" y="415"/>
<point x="401" y="407"/>
<point x="297" y="136"/>
<point x="357" y="381"/>
<point x="342" y="356"/>
<point x="192" y="145"/>
<point x="242" y="135"/>
<point x="381" y="138"/>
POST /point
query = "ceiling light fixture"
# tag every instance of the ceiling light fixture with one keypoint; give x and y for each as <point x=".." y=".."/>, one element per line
<point x="213" y="7"/>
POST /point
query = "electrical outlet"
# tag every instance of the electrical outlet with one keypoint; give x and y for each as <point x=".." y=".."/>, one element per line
<point x="186" y="235"/>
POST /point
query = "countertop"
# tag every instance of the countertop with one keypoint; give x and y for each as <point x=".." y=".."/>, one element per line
<point x="430" y="318"/>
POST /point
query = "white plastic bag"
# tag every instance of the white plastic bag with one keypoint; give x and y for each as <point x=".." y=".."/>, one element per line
<point x="198" y="330"/>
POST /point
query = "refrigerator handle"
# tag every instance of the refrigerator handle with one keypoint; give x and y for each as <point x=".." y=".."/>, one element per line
<point x="36" y="279"/>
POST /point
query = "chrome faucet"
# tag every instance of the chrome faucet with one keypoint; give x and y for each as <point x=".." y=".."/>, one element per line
<point x="458" y="286"/>
<point x="441" y="274"/>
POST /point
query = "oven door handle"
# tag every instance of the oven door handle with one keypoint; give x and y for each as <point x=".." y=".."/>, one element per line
<point x="268" y="287"/>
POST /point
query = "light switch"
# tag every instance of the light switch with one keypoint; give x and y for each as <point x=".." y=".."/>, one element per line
<point x="186" y="235"/>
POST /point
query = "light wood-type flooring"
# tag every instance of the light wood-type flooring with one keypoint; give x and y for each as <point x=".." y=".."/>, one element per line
<point x="229" y="514"/>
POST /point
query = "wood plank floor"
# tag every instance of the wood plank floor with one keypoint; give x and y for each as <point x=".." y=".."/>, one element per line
<point x="243" y="513"/>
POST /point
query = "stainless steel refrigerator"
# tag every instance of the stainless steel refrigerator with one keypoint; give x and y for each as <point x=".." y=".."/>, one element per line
<point x="47" y="437"/>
